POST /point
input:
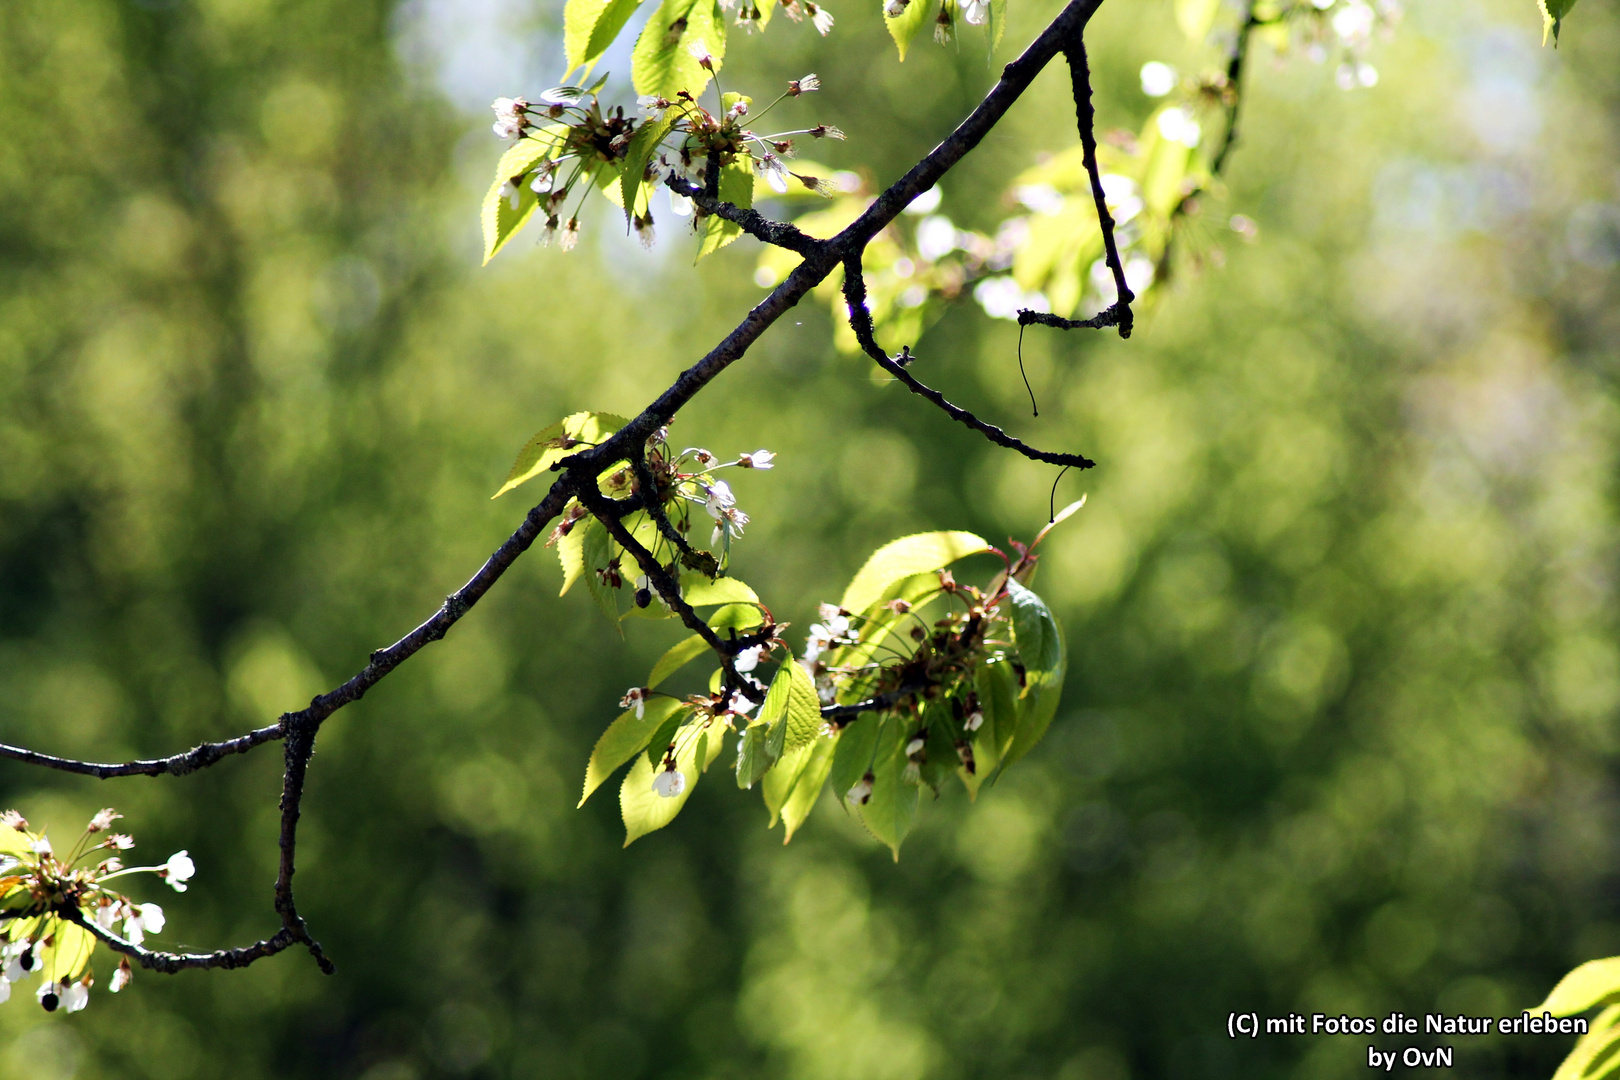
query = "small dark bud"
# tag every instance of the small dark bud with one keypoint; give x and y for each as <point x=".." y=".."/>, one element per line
<point x="26" y="960"/>
<point x="918" y="633"/>
<point x="643" y="597"/>
<point x="50" y="1001"/>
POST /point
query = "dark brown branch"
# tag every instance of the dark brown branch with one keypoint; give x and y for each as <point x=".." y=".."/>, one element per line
<point x="168" y="963"/>
<point x="778" y="233"/>
<point x="1086" y="119"/>
<point x="1114" y="315"/>
<point x="860" y="320"/>
<point x="198" y="757"/>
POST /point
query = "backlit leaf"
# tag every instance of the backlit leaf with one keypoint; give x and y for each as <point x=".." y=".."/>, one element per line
<point x="624" y="739"/>
<point x="501" y="219"/>
<point x="905" y="26"/>
<point x="737" y="188"/>
<point x="898" y="559"/>
<point x="643" y="809"/>
<point x="662" y="64"/>
<point x="550" y="445"/>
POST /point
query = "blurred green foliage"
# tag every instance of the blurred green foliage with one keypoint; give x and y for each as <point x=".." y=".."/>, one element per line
<point x="1339" y="731"/>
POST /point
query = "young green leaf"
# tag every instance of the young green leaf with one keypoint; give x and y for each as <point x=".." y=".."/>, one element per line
<point x="599" y="550"/>
<point x="589" y="27"/>
<point x="67" y="952"/>
<point x="753" y="755"/>
<point x="792" y="708"/>
<point x="812" y="777"/>
<point x="1552" y="18"/>
<point x="904" y="27"/>
<point x="501" y="219"/>
<point x="737" y="188"/>
<point x="624" y="739"/>
<point x="571" y="554"/>
<point x="918" y="554"/>
<point x="998" y="24"/>
<point x="679" y="655"/>
<point x="700" y="591"/>
<point x="550" y="445"/>
<point x="1593" y="1056"/>
<point x="662" y="63"/>
<point x="643" y="145"/>
<point x="856" y="745"/>
<point x="736" y="617"/>
<point x="643" y="809"/>
<point x="889" y="813"/>
<point x="1596" y="982"/>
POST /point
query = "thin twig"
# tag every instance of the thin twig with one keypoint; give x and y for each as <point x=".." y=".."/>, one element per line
<point x="1086" y="118"/>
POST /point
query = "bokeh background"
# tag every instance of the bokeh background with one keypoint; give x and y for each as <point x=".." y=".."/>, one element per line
<point x="1340" y="730"/>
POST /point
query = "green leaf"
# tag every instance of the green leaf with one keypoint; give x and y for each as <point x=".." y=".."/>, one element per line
<point x="571" y="554"/>
<point x="589" y="27"/>
<point x="643" y="145"/>
<point x="1195" y="17"/>
<point x="1552" y="18"/>
<point x="1593" y="983"/>
<point x="1040" y="646"/>
<point x="643" y="809"/>
<point x="699" y="591"/>
<point x="1062" y="515"/>
<point x="856" y="744"/>
<point x="918" y="554"/>
<point x="998" y="23"/>
<point x="791" y="707"/>
<point x="658" y="744"/>
<point x="1040" y="642"/>
<point x="501" y="220"/>
<point x="736" y="616"/>
<point x="624" y="739"/>
<point x="737" y="188"/>
<point x="65" y="958"/>
<point x="889" y="813"/>
<point x="599" y="549"/>
<point x="905" y="26"/>
<point x="811" y="777"/>
<point x="753" y="755"/>
<point x="997" y="687"/>
<point x="679" y="655"/>
<point x="550" y="445"/>
<point x="1593" y="1056"/>
<point x="662" y="64"/>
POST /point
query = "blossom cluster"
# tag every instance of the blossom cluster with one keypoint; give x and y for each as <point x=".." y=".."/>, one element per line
<point x="581" y="143"/>
<point x="50" y="901"/>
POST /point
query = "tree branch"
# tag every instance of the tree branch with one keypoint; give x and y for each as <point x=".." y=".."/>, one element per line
<point x="778" y="233"/>
<point x="861" y="321"/>
<point x="1086" y="118"/>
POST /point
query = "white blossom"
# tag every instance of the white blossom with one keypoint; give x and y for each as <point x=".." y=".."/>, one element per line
<point x="178" y="870"/>
<point x="635" y="697"/>
<point x="42" y="846"/>
<point x="759" y="459"/>
<point x="75" y="997"/>
<point x="974" y="720"/>
<point x="861" y="793"/>
<point x="809" y="84"/>
<point x="651" y="106"/>
<point x="719" y="497"/>
<point x="5" y="991"/>
<point x="1177" y="125"/>
<point x="895" y="8"/>
<point x="679" y="204"/>
<point x="774" y="172"/>
<point x="151" y="917"/>
<point x="974" y="12"/>
<point x="915" y="745"/>
<point x="20" y="961"/>
<point x="699" y="51"/>
<point x="510" y="192"/>
<point x="570" y="235"/>
<point x="107" y="915"/>
<point x="121" y="976"/>
<point x="820" y="18"/>
<point x="749" y="659"/>
<point x="669" y="783"/>
<point x="103" y="821"/>
<point x="728" y="522"/>
<point x="741" y="704"/>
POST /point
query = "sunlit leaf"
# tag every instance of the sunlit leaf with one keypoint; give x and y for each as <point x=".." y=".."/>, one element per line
<point x="753" y="755"/>
<point x="551" y="444"/>
<point x="571" y="554"/>
<point x="889" y="813"/>
<point x="1593" y="1055"/>
<point x="700" y="591"/>
<point x="643" y="809"/>
<point x="811" y="777"/>
<point x="589" y="27"/>
<point x="998" y="24"/>
<point x="679" y="655"/>
<point x="643" y="145"/>
<point x="905" y="26"/>
<point x="662" y="64"/>
<point x="737" y="188"/>
<point x="65" y="958"/>
<point x="918" y="554"/>
<point x="626" y="737"/>
<point x="1552" y="18"/>
<point x="599" y="550"/>
<point x="856" y="744"/>
<point x="1593" y="983"/>
<point x="501" y="219"/>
